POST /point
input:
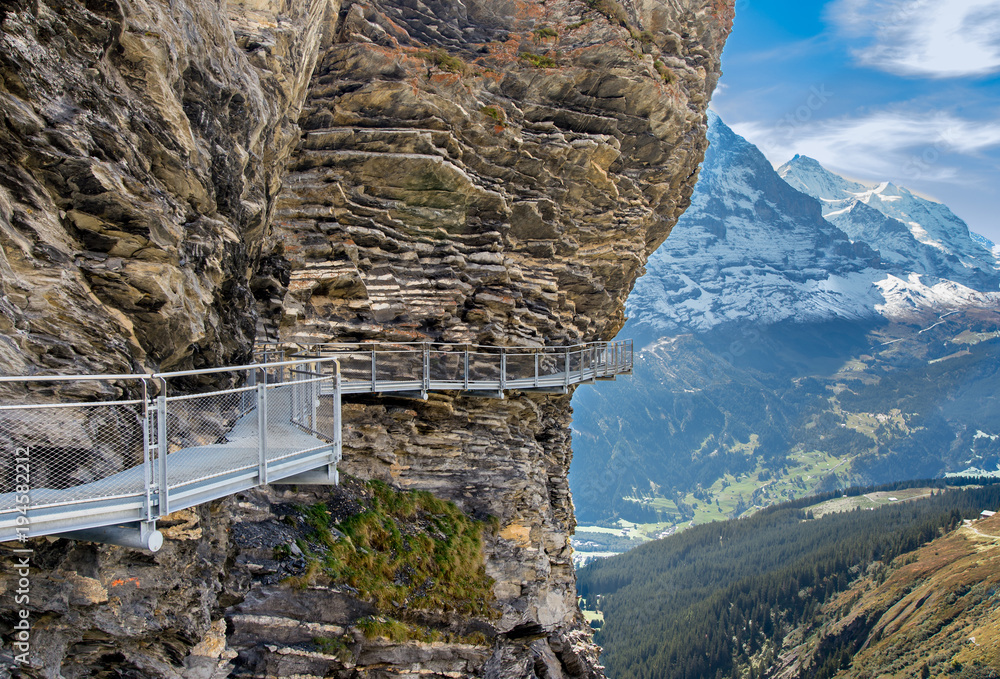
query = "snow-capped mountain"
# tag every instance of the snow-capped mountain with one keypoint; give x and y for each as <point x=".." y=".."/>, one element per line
<point x="754" y="248"/>
<point x="911" y="232"/>
<point x="768" y="332"/>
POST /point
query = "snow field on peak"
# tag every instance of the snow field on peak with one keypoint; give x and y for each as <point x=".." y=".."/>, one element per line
<point x="751" y="249"/>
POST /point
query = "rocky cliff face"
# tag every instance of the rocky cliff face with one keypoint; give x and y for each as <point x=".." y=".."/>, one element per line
<point x="143" y="146"/>
<point x="492" y="172"/>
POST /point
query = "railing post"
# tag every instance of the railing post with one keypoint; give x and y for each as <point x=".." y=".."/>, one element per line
<point x="297" y="408"/>
<point x="338" y="424"/>
<point x="567" y="367"/>
<point x="503" y="368"/>
<point x="374" y="388"/>
<point x="314" y="396"/>
<point x="427" y="367"/>
<point x="536" y="368"/>
<point x="262" y="431"/>
<point x="162" y="491"/>
<point x="466" y="367"/>
<point x="147" y="462"/>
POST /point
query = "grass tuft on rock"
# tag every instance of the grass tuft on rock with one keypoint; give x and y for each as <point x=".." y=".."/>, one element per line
<point x="539" y="60"/>
<point x="444" y="61"/>
<point x="494" y="113"/>
<point x="611" y="9"/>
<point x="338" y="647"/>
<point x="406" y="549"/>
<point x="665" y="72"/>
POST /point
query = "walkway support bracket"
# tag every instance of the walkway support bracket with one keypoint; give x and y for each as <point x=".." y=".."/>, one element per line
<point x="137" y="536"/>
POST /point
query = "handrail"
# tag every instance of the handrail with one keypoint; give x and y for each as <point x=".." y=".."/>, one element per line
<point x="97" y="464"/>
<point x="422" y="367"/>
<point x="86" y="466"/>
<point x="366" y="345"/>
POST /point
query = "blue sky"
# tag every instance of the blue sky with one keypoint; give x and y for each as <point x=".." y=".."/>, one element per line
<point x="900" y="90"/>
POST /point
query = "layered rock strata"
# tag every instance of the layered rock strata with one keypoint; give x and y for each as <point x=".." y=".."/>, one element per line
<point x="143" y="145"/>
<point x="479" y="171"/>
<point x="500" y="182"/>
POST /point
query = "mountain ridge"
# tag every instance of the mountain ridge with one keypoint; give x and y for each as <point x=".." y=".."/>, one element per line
<point x="939" y="242"/>
<point x="781" y="355"/>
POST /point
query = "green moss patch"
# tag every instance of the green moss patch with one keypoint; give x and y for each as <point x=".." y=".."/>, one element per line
<point x="404" y="549"/>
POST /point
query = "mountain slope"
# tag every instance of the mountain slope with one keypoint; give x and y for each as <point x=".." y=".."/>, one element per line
<point x="785" y="594"/>
<point x="778" y="357"/>
<point x="935" y="609"/>
<point x="751" y="248"/>
<point x="911" y="232"/>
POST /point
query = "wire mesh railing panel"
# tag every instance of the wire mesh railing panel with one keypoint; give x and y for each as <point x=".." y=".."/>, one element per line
<point x="446" y="366"/>
<point x="520" y="366"/>
<point x="399" y="366"/>
<point x="328" y="419"/>
<point x="484" y="367"/>
<point x="551" y="364"/>
<point x="209" y="435"/>
<point x="71" y="453"/>
<point x="356" y="366"/>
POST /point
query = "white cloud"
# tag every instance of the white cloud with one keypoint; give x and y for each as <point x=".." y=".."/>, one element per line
<point x="887" y="144"/>
<point x="927" y="38"/>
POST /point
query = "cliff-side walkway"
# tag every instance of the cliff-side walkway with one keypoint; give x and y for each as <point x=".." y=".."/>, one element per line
<point x="102" y="457"/>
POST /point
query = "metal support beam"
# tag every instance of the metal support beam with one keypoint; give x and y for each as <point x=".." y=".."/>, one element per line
<point x="324" y="476"/>
<point x="427" y="370"/>
<point x="483" y="393"/>
<point x="136" y="536"/>
<point x="547" y="390"/>
<point x="409" y="393"/>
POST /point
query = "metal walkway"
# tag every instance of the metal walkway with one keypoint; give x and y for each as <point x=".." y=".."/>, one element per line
<point x="103" y="457"/>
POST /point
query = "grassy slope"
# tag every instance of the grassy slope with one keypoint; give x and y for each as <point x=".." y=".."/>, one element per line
<point x="938" y="606"/>
<point x="921" y="608"/>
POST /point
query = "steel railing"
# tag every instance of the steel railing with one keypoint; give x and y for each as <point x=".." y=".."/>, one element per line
<point x="142" y="446"/>
<point x="378" y="367"/>
<point x="204" y="435"/>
